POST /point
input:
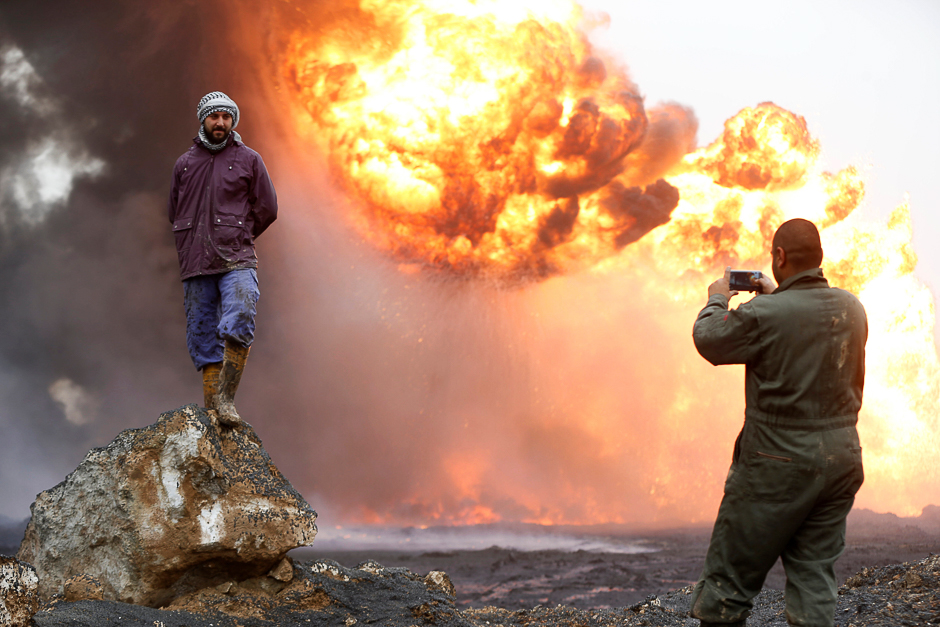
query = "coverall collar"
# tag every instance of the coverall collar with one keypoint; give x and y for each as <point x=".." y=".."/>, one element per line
<point x="806" y="280"/>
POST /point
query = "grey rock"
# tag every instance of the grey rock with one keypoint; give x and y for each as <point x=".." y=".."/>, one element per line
<point x="167" y="509"/>
<point x="284" y="571"/>
<point x="19" y="596"/>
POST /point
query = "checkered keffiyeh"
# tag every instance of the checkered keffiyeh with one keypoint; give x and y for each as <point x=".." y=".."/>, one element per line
<point x="216" y="101"/>
<point x="211" y="103"/>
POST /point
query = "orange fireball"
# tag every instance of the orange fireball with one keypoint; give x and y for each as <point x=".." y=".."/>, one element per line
<point x="762" y="148"/>
<point x="479" y="140"/>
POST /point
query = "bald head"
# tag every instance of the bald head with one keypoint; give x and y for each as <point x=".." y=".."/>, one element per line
<point x="798" y="239"/>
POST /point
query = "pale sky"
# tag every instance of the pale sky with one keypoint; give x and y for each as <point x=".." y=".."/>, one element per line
<point x="864" y="74"/>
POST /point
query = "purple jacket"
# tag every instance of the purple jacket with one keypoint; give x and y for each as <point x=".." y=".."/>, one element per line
<point x="219" y="203"/>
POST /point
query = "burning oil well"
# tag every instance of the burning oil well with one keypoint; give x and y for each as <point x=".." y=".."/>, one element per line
<point x="490" y="143"/>
<point x="502" y="333"/>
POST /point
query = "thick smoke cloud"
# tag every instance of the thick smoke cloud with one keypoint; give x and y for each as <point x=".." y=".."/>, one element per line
<point x="91" y="302"/>
<point x="381" y="394"/>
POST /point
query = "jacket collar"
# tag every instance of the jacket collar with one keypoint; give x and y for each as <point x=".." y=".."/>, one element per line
<point x="806" y="280"/>
<point x="233" y="139"/>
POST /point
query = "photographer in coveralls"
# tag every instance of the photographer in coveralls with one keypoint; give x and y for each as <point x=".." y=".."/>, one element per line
<point x="221" y="200"/>
<point x="797" y="462"/>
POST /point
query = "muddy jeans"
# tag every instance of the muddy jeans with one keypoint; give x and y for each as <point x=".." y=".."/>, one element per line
<point x="219" y="307"/>
<point x="787" y="495"/>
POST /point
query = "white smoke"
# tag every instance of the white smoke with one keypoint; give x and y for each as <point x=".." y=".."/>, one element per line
<point x="19" y="79"/>
<point x="473" y="538"/>
<point x="43" y="178"/>
<point x="77" y="404"/>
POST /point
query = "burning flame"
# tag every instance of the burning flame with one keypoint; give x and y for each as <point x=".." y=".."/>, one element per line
<point x="479" y="139"/>
<point x="735" y="192"/>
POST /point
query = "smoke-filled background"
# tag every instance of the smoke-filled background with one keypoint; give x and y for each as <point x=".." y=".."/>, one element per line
<point x="385" y="392"/>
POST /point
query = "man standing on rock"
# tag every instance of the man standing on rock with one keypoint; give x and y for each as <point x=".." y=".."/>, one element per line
<point x="221" y="200"/>
<point x="797" y="463"/>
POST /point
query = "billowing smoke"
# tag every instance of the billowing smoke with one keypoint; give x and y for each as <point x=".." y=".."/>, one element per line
<point x="383" y="392"/>
<point x="91" y="303"/>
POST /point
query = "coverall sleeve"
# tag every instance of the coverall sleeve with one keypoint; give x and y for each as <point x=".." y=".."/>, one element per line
<point x="263" y="198"/>
<point x="724" y="336"/>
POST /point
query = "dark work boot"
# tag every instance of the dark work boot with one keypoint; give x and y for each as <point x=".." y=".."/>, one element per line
<point x="233" y="364"/>
<point x="210" y="383"/>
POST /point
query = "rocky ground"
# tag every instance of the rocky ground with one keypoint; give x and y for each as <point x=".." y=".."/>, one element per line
<point x="162" y="516"/>
<point x="327" y="594"/>
<point x="517" y="580"/>
<point x="898" y="595"/>
<point x="891" y="578"/>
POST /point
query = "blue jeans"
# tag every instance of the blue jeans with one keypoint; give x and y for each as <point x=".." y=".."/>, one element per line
<point x="219" y="307"/>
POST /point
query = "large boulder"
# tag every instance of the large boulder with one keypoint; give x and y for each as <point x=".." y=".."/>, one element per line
<point x="165" y="510"/>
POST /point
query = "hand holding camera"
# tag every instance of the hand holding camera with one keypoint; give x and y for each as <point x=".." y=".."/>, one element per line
<point x="745" y="280"/>
<point x="735" y="281"/>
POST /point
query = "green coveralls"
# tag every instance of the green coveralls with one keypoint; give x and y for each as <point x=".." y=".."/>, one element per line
<point x="797" y="463"/>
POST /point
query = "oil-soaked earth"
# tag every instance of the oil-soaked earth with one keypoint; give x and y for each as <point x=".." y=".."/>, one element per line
<point x="536" y="577"/>
<point x="517" y="579"/>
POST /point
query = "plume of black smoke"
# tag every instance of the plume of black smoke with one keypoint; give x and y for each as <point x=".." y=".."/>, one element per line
<point x="92" y="302"/>
<point x="91" y="294"/>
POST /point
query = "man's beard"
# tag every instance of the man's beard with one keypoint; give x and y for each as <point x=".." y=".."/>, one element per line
<point x="217" y="135"/>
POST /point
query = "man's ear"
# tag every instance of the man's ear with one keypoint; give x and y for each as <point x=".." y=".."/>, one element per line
<point x="781" y="255"/>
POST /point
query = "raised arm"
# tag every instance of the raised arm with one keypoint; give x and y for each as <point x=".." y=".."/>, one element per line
<point x="723" y="335"/>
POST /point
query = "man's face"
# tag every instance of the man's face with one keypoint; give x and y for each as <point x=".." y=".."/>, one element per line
<point x="218" y="125"/>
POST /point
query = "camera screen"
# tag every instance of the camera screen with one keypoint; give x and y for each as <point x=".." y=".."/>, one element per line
<point x="745" y="280"/>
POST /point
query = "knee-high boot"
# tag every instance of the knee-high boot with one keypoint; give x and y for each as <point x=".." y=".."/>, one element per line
<point x="210" y="383"/>
<point x="233" y="364"/>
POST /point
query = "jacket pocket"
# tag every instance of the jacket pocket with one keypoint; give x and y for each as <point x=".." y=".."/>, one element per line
<point x="772" y="478"/>
<point x="228" y="231"/>
<point x="183" y="234"/>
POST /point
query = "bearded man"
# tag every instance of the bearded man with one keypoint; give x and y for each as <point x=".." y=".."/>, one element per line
<point x="221" y="200"/>
<point x="797" y="463"/>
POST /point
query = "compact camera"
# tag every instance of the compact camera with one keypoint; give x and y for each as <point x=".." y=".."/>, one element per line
<point x="745" y="280"/>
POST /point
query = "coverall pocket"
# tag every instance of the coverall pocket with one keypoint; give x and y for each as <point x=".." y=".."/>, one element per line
<point x="858" y="471"/>
<point x="774" y="478"/>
